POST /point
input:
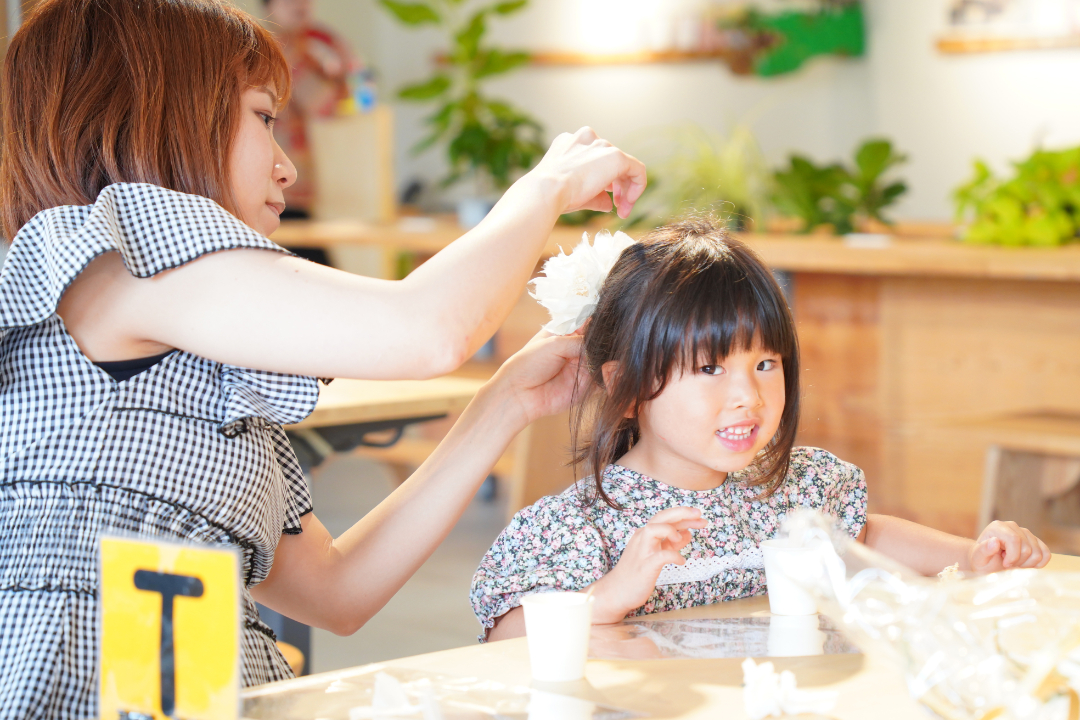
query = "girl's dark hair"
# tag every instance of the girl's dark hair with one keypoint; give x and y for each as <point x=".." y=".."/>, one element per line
<point x="686" y="294"/>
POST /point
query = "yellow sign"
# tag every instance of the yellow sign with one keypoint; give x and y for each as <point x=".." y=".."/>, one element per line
<point x="170" y="631"/>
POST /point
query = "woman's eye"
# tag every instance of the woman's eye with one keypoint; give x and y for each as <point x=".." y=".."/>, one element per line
<point x="767" y="365"/>
<point x="712" y="369"/>
<point x="268" y="119"/>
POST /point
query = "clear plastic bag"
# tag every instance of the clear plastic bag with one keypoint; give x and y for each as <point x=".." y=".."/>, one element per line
<point x="1005" y="645"/>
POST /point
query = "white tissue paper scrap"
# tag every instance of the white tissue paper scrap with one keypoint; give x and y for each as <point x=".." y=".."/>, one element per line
<point x="767" y="694"/>
<point x="391" y="701"/>
<point x="571" y="285"/>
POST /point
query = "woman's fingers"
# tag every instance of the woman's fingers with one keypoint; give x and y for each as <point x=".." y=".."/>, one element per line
<point x="589" y="167"/>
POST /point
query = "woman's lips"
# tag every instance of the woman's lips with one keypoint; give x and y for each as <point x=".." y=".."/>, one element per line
<point x="737" y="441"/>
<point x="278" y="208"/>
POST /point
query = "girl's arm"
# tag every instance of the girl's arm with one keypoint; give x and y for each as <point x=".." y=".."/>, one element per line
<point x="339" y="584"/>
<point x="1002" y="545"/>
<point x="263" y="310"/>
<point x="633" y="579"/>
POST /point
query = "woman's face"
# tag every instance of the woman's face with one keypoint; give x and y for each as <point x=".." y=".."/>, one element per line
<point x="258" y="169"/>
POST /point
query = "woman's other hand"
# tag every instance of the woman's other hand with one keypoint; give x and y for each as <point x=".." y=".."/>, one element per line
<point x="541" y="378"/>
<point x="585" y="168"/>
<point x="633" y="579"/>
<point x="1004" y="545"/>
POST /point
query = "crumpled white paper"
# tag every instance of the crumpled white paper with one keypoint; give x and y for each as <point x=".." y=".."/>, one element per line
<point x="768" y="694"/>
<point x="391" y="701"/>
<point x="571" y="285"/>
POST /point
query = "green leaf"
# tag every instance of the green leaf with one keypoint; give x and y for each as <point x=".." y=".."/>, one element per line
<point x="412" y="13"/>
<point x="468" y="40"/>
<point x="426" y="90"/>
<point x="497" y="62"/>
<point x="512" y="6"/>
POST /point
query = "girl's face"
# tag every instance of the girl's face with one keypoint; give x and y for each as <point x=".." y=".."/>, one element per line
<point x="258" y="169"/>
<point x="711" y="420"/>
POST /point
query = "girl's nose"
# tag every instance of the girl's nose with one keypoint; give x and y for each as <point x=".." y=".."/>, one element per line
<point x="744" y="392"/>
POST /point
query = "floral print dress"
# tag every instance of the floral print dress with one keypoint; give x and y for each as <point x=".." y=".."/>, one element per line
<point x="557" y="544"/>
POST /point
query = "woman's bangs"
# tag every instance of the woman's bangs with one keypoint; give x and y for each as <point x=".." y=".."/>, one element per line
<point x="265" y="64"/>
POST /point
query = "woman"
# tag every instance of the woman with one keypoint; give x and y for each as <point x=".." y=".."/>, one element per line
<point x="153" y="341"/>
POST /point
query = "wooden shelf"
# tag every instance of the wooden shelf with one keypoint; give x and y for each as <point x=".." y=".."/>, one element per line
<point x="644" y="57"/>
<point x="957" y="45"/>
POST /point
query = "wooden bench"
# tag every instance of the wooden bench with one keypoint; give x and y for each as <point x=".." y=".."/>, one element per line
<point x="1032" y="475"/>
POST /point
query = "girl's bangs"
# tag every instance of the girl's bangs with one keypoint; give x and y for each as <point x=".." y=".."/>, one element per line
<point x="743" y="312"/>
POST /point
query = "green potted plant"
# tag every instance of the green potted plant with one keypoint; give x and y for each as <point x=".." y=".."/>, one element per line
<point x="488" y="141"/>
<point x="837" y="195"/>
<point x="1039" y="205"/>
<point x="693" y="168"/>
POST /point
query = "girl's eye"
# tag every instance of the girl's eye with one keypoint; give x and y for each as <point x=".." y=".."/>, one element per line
<point x="268" y="119"/>
<point x="767" y="365"/>
<point x="712" y="369"/>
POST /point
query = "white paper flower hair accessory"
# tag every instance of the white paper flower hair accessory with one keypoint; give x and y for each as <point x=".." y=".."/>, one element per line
<point x="572" y="282"/>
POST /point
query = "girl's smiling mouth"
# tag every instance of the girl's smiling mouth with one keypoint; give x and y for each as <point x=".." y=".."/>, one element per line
<point x="738" y="438"/>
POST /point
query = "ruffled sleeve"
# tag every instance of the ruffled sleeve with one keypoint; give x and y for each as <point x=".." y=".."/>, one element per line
<point x="261" y="396"/>
<point x="825" y="482"/>
<point x="549" y="546"/>
<point x="153" y="230"/>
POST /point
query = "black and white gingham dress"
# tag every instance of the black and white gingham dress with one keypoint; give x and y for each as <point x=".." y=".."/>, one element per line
<point x="189" y="449"/>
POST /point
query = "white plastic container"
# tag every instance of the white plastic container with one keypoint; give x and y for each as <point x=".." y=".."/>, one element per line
<point x="795" y="636"/>
<point x="558" y="625"/>
<point x="782" y="561"/>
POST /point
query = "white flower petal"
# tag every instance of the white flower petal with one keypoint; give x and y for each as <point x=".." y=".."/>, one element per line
<point x="571" y="286"/>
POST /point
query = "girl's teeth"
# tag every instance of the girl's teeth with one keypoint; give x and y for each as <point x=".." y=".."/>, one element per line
<point x="736" y="434"/>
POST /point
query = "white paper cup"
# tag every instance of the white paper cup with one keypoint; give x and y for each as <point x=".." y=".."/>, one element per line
<point x="782" y="561"/>
<point x="549" y="706"/>
<point x="558" y="625"/>
<point x="795" y="636"/>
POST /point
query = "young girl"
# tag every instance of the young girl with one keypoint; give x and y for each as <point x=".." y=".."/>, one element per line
<point x="153" y="340"/>
<point x="694" y="364"/>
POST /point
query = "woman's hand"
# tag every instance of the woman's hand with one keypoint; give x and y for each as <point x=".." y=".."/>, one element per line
<point x="586" y="168"/>
<point x="541" y="378"/>
<point x="1004" y="545"/>
<point x="633" y="579"/>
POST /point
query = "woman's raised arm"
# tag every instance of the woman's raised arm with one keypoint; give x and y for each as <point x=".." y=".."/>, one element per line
<point x="259" y="309"/>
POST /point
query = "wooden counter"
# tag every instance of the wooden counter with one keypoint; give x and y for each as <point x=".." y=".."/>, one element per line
<point x="901" y="345"/>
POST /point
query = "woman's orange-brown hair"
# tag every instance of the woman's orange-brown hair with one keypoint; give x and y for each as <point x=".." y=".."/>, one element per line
<point x="103" y="91"/>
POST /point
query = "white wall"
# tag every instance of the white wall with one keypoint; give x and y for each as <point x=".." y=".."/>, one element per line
<point x="943" y="110"/>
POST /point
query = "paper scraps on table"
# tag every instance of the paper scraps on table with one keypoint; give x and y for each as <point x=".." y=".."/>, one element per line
<point x="389" y="700"/>
<point x="950" y="573"/>
<point x="768" y="694"/>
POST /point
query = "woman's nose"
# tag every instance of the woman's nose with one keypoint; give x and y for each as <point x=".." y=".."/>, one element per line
<point x="284" y="170"/>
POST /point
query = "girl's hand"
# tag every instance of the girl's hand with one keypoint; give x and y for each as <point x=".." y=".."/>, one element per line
<point x="541" y="378"/>
<point x="586" y="168"/>
<point x="633" y="579"/>
<point x="1004" y="545"/>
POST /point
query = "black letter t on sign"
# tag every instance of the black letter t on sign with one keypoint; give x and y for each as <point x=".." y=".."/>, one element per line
<point x="169" y="586"/>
